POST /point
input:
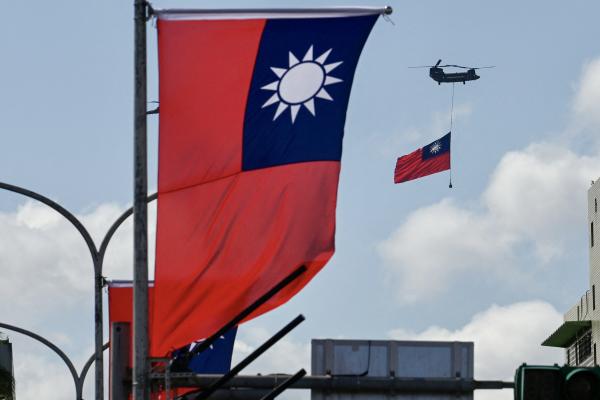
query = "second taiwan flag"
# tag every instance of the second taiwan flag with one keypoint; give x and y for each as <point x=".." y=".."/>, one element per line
<point x="433" y="158"/>
<point x="252" y="114"/>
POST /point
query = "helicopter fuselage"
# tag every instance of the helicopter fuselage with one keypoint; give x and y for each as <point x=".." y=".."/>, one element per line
<point x="438" y="75"/>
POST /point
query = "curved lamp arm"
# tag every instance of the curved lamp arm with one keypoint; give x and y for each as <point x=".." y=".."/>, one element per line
<point x="89" y="363"/>
<point x="113" y="228"/>
<point x="54" y="348"/>
<point x="61" y="210"/>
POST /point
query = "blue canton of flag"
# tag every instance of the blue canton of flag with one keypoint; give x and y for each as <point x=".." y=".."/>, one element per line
<point x="300" y="90"/>
<point x="437" y="148"/>
<point x="214" y="360"/>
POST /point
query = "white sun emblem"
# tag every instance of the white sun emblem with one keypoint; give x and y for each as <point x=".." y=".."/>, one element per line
<point x="435" y="148"/>
<point x="300" y="83"/>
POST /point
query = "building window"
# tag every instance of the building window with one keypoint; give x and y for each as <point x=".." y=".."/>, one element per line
<point x="584" y="347"/>
<point x="580" y="351"/>
<point x="592" y="234"/>
<point x="593" y="297"/>
<point x="595" y="205"/>
<point x="595" y="361"/>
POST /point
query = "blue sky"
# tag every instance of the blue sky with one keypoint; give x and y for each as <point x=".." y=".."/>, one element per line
<point x="506" y="248"/>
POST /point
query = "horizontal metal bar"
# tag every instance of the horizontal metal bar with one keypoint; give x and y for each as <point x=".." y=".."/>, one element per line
<point x="237" y="13"/>
<point x="284" y="385"/>
<point x="345" y="383"/>
<point x="239" y="394"/>
<point x="124" y="283"/>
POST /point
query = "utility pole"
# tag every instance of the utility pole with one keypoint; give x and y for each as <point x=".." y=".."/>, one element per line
<point x="140" y="211"/>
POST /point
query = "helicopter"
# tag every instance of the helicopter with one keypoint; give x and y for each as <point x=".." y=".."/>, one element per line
<point x="437" y="73"/>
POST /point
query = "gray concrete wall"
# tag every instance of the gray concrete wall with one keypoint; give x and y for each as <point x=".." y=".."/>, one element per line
<point x="594" y="262"/>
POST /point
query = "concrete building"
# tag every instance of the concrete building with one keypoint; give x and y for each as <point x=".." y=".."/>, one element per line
<point x="580" y="332"/>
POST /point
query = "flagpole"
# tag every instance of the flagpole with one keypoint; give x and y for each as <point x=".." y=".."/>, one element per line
<point x="140" y="377"/>
<point x="451" y="126"/>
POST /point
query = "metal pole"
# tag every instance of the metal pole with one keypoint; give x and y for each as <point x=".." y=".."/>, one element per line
<point x="98" y="329"/>
<point x="260" y="12"/>
<point x="140" y="211"/>
<point x="120" y="338"/>
<point x="342" y="383"/>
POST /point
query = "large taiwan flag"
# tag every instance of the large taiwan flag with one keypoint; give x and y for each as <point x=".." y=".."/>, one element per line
<point x="252" y="114"/>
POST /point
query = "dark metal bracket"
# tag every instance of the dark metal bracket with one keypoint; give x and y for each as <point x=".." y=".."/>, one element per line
<point x="149" y="11"/>
<point x="284" y="385"/>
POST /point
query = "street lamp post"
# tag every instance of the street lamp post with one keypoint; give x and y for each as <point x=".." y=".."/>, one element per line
<point x="140" y="211"/>
<point x="97" y="255"/>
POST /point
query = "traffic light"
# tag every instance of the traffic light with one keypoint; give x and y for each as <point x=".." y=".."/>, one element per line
<point x="545" y="382"/>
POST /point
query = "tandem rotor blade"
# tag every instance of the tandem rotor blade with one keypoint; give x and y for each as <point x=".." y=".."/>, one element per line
<point x="455" y="66"/>
<point x="461" y="66"/>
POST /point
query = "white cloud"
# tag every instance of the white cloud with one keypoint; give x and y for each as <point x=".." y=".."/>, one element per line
<point x="44" y="263"/>
<point x="539" y="193"/>
<point x="462" y="242"/>
<point x="534" y="204"/>
<point x="38" y="378"/>
<point x="504" y="337"/>
<point x="43" y="257"/>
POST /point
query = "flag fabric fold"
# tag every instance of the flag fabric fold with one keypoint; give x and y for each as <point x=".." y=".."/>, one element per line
<point x="252" y="115"/>
<point x="430" y="159"/>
